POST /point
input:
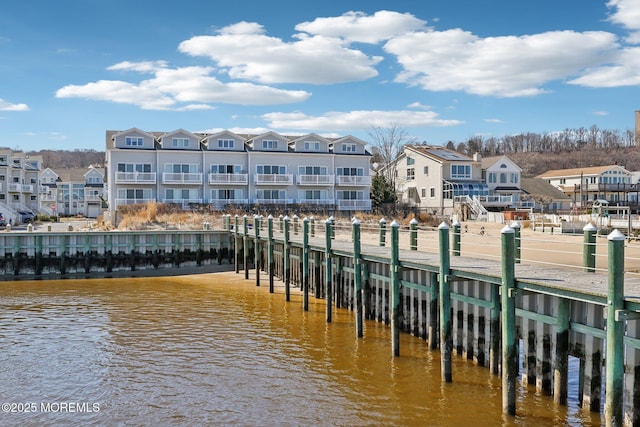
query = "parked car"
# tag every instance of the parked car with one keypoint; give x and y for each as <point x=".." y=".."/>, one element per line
<point x="26" y="216"/>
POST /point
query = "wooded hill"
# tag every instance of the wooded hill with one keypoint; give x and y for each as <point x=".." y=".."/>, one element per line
<point x="65" y="159"/>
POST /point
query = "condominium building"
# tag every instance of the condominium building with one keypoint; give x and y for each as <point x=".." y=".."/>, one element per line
<point x="73" y="191"/>
<point x="19" y="183"/>
<point x="226" y="169"/>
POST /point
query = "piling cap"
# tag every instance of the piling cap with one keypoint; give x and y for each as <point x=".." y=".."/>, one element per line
<point x="313" y="218"/>
<point x="413" y="221"/>
<point x="305" y="219"/>
<point x="395" y="223"/>
<point x="589" y="227"/>
<point x="616" y="235"/>
<point x="286" y="218"/>
<point x="244" y="216"/>
<point x="443" y="226"/>
<point x="295" y="216"/>
<point x="456" y="223"/>
<point x="507" y="230"/>
<point x="355" y="221"/>
<point x="383" y="221"/>
<point x="270" y="217"/>
<point x="328" y="221"/>
<point x="515" y="224"/>
<point x="331" y="218"/>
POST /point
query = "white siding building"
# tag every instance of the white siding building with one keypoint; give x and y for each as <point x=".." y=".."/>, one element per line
<point x="226" y="169"/>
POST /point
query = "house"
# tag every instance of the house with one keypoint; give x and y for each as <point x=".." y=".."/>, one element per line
<point x="612" y="183"/>
<point x="19" y="183"/>
<point x="225" y="169"/>
<point x="545" y="197"/>
<point x="73" y="191"/>
<point x="503" y="178"/>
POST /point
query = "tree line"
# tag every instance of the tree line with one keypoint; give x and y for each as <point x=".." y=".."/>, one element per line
<point x="65" y="159"/>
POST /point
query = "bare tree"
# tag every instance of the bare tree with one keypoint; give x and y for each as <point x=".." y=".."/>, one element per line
<point x="387" y="143"/>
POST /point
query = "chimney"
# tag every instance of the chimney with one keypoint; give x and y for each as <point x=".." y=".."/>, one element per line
<point x="477" y="157"/>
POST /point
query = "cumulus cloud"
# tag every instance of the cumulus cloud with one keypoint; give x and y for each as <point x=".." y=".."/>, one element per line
<point x="187" y="88"/>
<point x="245" y="52"/>
<point x="362" y="119"/>
<point x="8" y="106"/>
<point x="627" y="14"/>
<point x="359" y="27"/>
<point x="140" y="67"/>
<point x="623" y="71"/>
<point x="507" y="66"/>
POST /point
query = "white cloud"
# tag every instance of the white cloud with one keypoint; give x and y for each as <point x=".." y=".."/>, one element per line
<point x="350" y="120"/>
<point x="238" y="130"/>
<point x="493" y="120"/>
<point x="359" y="27"/>
<point x="419" y="106"/>
<point x="8" y="106"/>
<point x="141" y="67"/>
<point x="185" y="88"/>
<point x="627" y="14"/>
<point x="624" y="70"/>
<point x="497" y="66"/>
<point x="246" y="53"/>
<point x="600" y="113"/>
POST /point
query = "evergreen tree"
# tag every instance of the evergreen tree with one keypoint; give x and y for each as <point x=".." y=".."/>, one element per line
<point x="382" y="192"/>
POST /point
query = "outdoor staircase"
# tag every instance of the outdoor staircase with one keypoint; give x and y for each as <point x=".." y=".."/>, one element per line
<point x="477" y="208"/>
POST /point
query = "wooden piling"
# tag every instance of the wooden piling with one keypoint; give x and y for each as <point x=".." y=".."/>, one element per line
<point x="446" y="323"/>
<point x="509" y="338"/>
<point x="305" y="264"/>
<point x="287" y="260"/>
<point x="327" y="267"/>
<point x="270" y="258"/>
<point x="257" y="246"/>
<point x="561" y="365"/>
<point x="395" y="289"/>
<point x="357" y="273"/>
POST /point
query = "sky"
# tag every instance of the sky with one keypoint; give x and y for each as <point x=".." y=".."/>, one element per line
<point x="440" y="70"/>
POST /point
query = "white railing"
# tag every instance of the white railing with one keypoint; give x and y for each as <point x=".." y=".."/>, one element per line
<point x="228" y="178"/>
<point x="279" y="179"/>
<point x="220" y="203"/>
<point x="354" y="205"/>
<point x="92" y="197"/>
<point x="316" y="179"/>
<point x="133" y="201"/>
<point x="43" y="189"/>
<point x="319" y="202"/>
<point x="27" y="188"/>
<point x="181" y="178"/>
<point x="182" y="201"/>
<point x="273" y="201"/>
<point x="136" y="177"/>
<point x="353" y="180"/>
<point x="48" y="197"/>
<point x="14" y="187"/>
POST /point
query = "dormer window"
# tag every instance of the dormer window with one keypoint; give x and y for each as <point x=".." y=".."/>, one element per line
<point x="348" y="148"/>
<point x="503" y="166"/>
<point x="312" y="146"/>
<point x="133" y="141"/>
<point x="225" y="143"/>
<point x="180" y="142"/>
<point x="268" y="144"/>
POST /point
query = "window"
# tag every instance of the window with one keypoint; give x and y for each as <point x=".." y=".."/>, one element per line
<point x="313" y="194"/>
<point x="460" y="171"/>
<point x="271" y="170"/>
<point x="94" y="180"/>
<point x="411" y="174"/>
<point x="503" y="178"/>
<point x="181" y="194"/>
<point x="133" y="141"/>
<point x="268" y="144"/>
<point x="312" y="170"/>
<point x="492" y="178"/>
<point x="225" y="143"/>
<point x="426" y="170"/>
<point x="350" y="195"/>
<point x="432" y="192"/>
<point x="180" y="168"/>
<point x="134" y="193"/>
<point x="312" y="146"/>
<point x="134" y="167"/>
<point x="350" y="171"/>
<point x="180" y="142"/>
<point x="411" y="161"/>
<point x="514" y="178"/>
<point x="503" y="166"/>
<point x="226" y="194"/>
<point x="423" y="192"/>
<point x="270" y="194"/>
<point x="563" y="181"/>
<point x="348" y="148"/>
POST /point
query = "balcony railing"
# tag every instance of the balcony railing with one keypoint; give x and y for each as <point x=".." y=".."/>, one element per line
<point x="354" y="205"/>
<point x="317" y="202"/>
<point x="48" y="197"/>
<point x="136" y="177"/>
<point x="182" y="201"/>
<point x="353" y="180"/>
<point x="181" y="178"/>
<point x="277" y="179"/>
<point x="43" y="189"/>
<point x="220" y="203"/>
<point x="316" y="179"/>
<point x="27" y="188"/>
<point x="273" y="201"/>
<point x="92" y="198"/>
<point x="228" y="178"/>
<point x="134" y="201"/>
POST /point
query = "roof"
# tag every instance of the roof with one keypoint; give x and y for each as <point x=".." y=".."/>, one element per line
<point x="593" y="170"/>
<point x="439" y="153"/>
<point x="487" y="162"/>
<point x="74" y="174"/>
<point x="542" y="187"/>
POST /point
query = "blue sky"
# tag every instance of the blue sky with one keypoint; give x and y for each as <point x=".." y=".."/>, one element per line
<point x="441" y="70"/>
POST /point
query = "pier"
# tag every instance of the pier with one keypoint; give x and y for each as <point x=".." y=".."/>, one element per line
<point x="479" y="309"/>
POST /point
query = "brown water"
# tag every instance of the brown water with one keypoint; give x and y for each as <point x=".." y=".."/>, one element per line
<point x="215" y="350"/>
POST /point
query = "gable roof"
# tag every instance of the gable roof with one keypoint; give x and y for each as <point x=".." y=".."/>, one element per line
<point x="542" y="187"/>
<point x="488" y="162"/>
<point x="439" y="153"/>
<point x="593" y="170"/>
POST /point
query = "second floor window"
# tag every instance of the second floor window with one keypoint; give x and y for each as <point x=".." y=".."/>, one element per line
<point x="312" y="146"/>
<point x="269" y="144"/>
<point x="225" y="143"/>
<point x="350" y="171"/>
<point x="180" y="142"/>
<point x="180" y="168"/>
<point x="134" y="167"/>
<point x="133" y="141"/>
<point x="228" y="169"/>
<point x="271" y="170"/>
<point x="460" y="172"/>
<point x="312" y="170"/>
<point x="348" y="148"/>
<point x="411" y="174"/>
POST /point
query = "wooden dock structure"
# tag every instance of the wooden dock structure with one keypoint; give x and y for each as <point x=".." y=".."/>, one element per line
<point x="475" y="308"/>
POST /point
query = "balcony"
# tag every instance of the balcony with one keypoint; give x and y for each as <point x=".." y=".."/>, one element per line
<point x="14" y="187"/>
<point x="135" y="177"/>
<point x="316" y="179"/>
<point x="26" y="188"/>
<point x="43" y="189"/>
<point x="181" y="178"/>
<point x="141" y="201"/>
<point x="92" y="198"/>
<point x="183" y="201"/>
<point x="353" y="180"/>
<point x="273" y="179"/>
<point x="317" y="202"/>
<point x="354" y="205"/>
<point x="273" y="201"/>
<point x="228" y="179"/>
<point x="48" y="197"/>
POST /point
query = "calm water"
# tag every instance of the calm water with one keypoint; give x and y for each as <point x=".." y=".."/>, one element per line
<point x="215" y="350"/>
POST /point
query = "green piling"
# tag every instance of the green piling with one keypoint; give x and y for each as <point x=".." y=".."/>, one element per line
<point x="305" y="264"/>
<point x="357" y="273"/>
<point x="589" y="248"/>
<point x="613" y="403"/>
<point x="561" y="365"/>
<point x="236" y="246"/>
<point x="257" y="245"/>
<point x="383" y="231"/>
<point x="327" y="267"/>
<point x="395" y="289"/>
<point x="446" y="323"/>
<point x="245" y="246"/>
<point x="287" y="261"/>
<point x="413" y="234"/>
<point x="455" y="239"/>
<point x="509" y="338"/>
<point x="270" y="258"/>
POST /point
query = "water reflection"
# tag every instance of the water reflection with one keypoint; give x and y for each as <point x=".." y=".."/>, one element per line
<point x="216" y="350"/>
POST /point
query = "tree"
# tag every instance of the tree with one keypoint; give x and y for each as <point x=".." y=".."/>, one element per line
<point x="386" y="145"/>
<point x="382" y="192"/>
